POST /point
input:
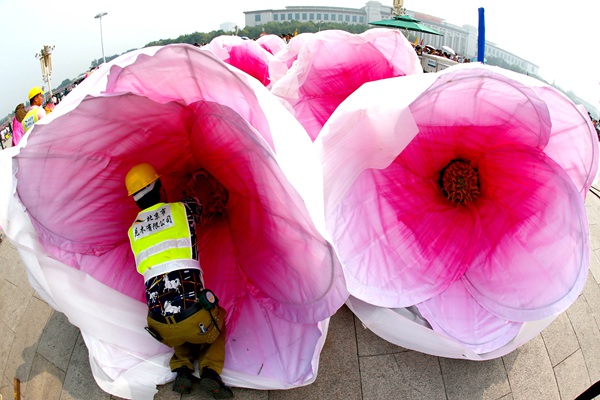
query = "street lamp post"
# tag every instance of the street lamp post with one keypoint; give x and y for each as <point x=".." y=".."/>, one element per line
<point x="99" y="16"/>
<point x="45" y="57"/>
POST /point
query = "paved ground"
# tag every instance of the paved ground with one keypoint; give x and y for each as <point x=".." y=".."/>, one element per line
<point x="47" y="354"/>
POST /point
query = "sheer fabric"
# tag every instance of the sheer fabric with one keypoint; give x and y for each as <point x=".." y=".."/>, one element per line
<point x="476" y="271"/>
<point x="326" y="67"/>
<point x="181" y="109"/>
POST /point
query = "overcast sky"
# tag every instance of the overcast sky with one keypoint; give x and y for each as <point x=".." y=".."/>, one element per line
<point x="560" y="37"/>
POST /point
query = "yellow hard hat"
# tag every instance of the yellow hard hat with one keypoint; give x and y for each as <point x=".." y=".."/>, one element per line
<point x="35" y="91"/>
<point x="139" y="177"/>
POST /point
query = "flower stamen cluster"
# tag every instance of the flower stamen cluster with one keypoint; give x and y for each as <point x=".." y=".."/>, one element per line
<point x="459" y="182"/>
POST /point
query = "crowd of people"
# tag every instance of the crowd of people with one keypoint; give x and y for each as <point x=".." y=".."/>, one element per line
<point x="445" y="52"/>
<point x="596" y="124"/>
<point x="24" y="117"/>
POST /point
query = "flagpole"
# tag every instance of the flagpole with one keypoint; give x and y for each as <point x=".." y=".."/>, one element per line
<point x="481" y="37"/>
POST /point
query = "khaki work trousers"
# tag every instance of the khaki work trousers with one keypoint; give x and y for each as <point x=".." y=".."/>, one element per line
<point x="190" y="343"/>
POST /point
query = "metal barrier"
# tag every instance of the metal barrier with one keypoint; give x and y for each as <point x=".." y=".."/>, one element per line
<point x="431" y="63"/>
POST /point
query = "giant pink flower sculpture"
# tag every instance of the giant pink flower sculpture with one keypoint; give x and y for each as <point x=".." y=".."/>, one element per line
<point x="274" y="273"/>
<point x="461" y="193"/>
<point x="272" y="43"/>
<point x="253" y="57"/>
<point x="329" y="65"/>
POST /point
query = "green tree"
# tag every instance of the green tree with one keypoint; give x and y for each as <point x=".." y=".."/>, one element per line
<point x="192" y="38"/>
<point x="64" y="83"/>
<point x="290" y="27"/>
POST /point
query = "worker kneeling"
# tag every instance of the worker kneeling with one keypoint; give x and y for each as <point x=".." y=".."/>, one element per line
<point x="182" y="313"/>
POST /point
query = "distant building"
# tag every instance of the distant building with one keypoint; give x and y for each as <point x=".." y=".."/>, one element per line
<point x="492" y="49"/>
<point x="372" y="11"/>
<point x="463" y="39"/>
<point x="228" y="26"/>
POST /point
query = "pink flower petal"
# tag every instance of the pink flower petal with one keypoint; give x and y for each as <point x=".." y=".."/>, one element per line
<point x="573" y="142"/>
<point x="492" y="109"/>
<point x="248" y="56"/>
<point x="272" y="235"/>
<point x="267" y="255"/>
<point x="250" y="348"/>
<point x="400" y="241"/>
<point x="290" y="53"/>
<point x="569" y="146"/>
<point x="398" y="237"/>
<point x="457" y="315"/>
<point x="534" y="253"/>
<point x="271" y="43"/>
<point x="333" y="64"/>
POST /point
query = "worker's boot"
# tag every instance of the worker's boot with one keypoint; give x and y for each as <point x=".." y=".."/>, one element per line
<point x="210" y="380"/>
<point x="183" y="382"/>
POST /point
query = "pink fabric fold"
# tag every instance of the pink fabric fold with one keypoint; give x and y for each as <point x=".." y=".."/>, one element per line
<point x="573" y="141"/>
<point x="330" y="65"/>
<point x="395" y="240"/>
<point x="535" y="230"/>
<point x="455" y="313"/>
<point x="290" y="53"/>
<point x="249" y="56"/>
<point x="271" y="43"/>
<point x="519" y="251"/>
<point x="271" y="269"/>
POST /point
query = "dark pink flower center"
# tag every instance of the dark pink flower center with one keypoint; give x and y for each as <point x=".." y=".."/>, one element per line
<point x="459" y="182"/>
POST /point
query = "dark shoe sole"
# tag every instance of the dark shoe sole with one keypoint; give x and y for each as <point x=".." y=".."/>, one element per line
<point x="182" y="385"/>
<point x="218" y="391"/>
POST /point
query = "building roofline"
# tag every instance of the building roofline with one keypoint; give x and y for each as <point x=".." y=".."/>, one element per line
<point x="492" y="44"/>
<point x="298" y="8"/>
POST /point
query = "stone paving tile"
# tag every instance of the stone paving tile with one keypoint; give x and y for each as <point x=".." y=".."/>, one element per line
<point x="14" y="304"/>
<point x="338" y="376"/>
<point x="24" y="345"/>
<point x="572" y="376"/>
<point x="6" y="388"/>
<point x="474" y="380"/>
<point x="79" y="382"/>
<point x="406" y="375"/>
<point x="530" y="373"/>
<point x="588" y="335"/>
<point x="165" y="392"/>
<point x="560" y="339"/>
<point x="14" y="270"/>
<point x="507" y="397"/>
<point x="369" y="344"/>
<point x="595" y="265"/>
<point x="248" y="394"/>
<point x="7" y="337"/>
<point x="58" y="340"/>
<point x="593" y="200"/>
<point x="6" y="290"/>
<point x="595" y="236"/>
<point x="591" y="292"/>
<point x="592" y="213"/>
<point x="45" y="381"/>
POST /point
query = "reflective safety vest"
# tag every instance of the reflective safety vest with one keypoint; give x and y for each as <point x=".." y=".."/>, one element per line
<point x="30" y="118"/>
<point x="160" y="240"/>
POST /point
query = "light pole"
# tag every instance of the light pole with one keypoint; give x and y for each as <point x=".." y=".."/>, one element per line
<point x="99" y="16"/>
<point x="45" y="57"/>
